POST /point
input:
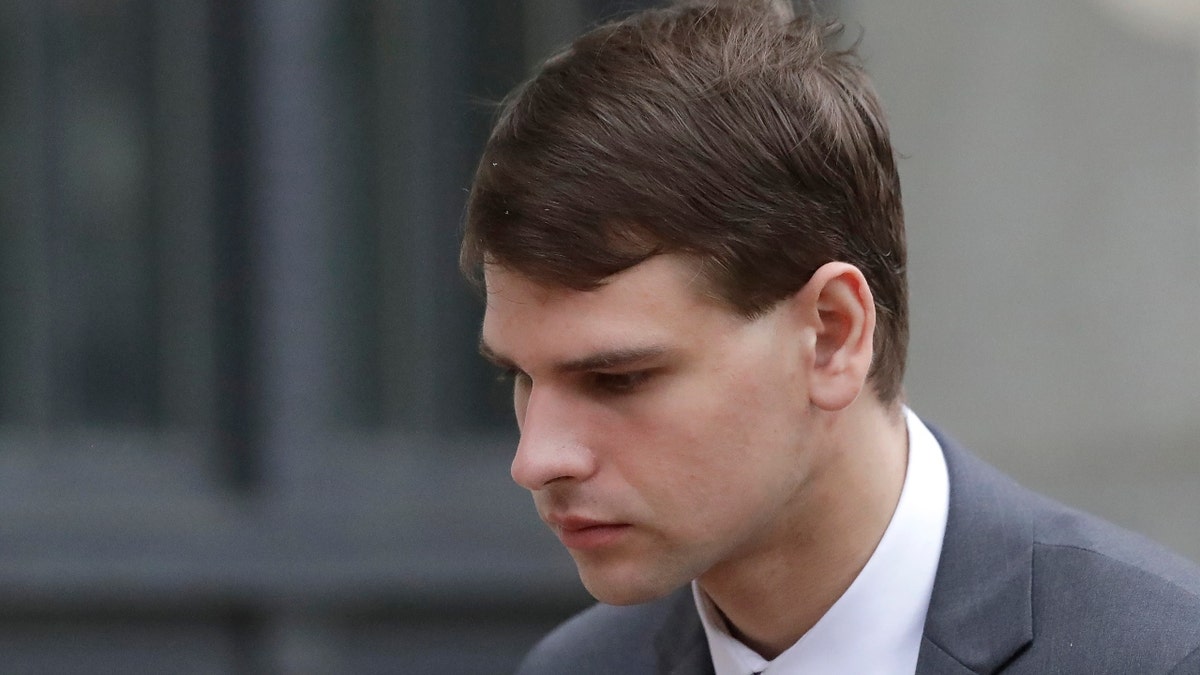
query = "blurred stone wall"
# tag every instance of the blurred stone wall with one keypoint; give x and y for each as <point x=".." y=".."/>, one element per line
<point x="1051" y="169"/>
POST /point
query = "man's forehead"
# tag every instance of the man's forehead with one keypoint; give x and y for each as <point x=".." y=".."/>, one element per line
<point x="505" y="283"/>
<point x="637" y="314"/>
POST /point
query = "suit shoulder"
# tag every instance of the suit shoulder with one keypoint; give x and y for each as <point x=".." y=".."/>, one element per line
<point x="1105" y="593"/>
<point x="1068" y="533"/>
<point x="602" y="639"/>
<point x="1134" y="583"/>
<point x="1071" y="592"/>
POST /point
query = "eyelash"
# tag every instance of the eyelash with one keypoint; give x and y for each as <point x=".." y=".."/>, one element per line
<point x="620" y="383"/>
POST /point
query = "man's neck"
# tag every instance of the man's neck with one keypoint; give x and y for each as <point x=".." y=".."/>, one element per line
<point x="772" y="597"/>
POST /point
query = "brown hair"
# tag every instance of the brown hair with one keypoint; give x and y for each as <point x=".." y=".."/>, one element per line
<point x="732" y="132"/>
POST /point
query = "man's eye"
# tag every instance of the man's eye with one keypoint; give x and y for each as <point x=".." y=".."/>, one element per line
<point x="619" y="383"/>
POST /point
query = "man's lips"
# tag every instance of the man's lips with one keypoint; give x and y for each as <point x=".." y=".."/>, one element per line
<point x="585" y="533"/>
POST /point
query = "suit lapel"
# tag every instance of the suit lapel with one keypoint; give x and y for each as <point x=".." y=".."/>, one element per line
<point x="680" y="641"/>
<point x="980" y="614"/>
<point x="935" y="661"/>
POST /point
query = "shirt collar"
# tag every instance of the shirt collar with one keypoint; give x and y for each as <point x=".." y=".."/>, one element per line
<point x="876" y="625"/>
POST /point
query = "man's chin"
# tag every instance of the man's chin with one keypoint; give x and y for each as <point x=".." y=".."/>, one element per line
<point x="627" y="588"/>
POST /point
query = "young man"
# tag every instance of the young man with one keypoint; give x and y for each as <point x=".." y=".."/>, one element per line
<point x="689" y="230"/>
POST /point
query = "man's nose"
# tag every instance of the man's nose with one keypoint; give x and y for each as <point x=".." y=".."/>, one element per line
<point x="551" y="446"/>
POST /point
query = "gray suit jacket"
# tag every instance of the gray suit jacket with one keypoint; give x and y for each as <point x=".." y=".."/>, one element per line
<point x="1024" y="585"/>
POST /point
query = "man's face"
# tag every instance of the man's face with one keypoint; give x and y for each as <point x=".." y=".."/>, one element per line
<point x="662" y="434"/>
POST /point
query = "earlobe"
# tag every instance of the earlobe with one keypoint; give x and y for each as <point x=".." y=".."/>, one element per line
<point x="842" y="315"/>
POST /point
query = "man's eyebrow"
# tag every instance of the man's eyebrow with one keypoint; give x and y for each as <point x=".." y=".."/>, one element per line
<point x="602" y="360"/>
<point x="613" y="358"/>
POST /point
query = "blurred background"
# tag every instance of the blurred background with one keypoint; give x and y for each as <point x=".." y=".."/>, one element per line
<point x="243" y="427"/>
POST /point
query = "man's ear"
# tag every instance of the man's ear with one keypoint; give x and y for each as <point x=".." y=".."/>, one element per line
<point x="839" y="310"/>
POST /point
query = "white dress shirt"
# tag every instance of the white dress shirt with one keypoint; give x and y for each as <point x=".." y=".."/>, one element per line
<point x="876" y="626"/>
